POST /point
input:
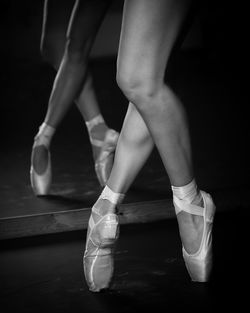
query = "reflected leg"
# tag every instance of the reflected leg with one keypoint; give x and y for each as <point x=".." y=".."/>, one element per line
<point x="71" y="80"/>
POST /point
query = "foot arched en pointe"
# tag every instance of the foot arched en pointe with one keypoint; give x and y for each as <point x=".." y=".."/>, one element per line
<point x="102" y="234"/>
<point x="199" y="264"/>
<point x="41" y="166"/>
<point x="41" y="170"/>
<point x="103" y="141"/>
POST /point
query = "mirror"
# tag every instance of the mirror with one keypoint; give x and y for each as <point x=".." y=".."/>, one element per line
<point x="204" y="74"/>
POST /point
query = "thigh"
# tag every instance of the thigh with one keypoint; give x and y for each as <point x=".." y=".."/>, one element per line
<point x="149" y="32"/>
<point x="77" y="20"/>
<point x="86" y="18"/>
<point x="56" y="16"/>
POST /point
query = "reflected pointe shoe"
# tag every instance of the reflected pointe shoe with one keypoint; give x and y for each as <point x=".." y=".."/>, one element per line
<point x="40" y="178"/>
<point x="40" y="170"/>
<point x="103" y="232"/>
<point x="104" y="162"/>
<point x="199" y="264"/>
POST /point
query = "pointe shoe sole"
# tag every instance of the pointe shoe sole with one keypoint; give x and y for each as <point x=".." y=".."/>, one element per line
<point x="41" y="183"/>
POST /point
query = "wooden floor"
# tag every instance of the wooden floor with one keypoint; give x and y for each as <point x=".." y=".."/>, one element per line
<point x="45" y="274"/>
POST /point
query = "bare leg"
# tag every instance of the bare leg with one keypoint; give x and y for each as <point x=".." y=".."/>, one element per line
<point x="53" y="39"/>
<point x="70" y="53"/>
<point x="149" y="32"/>
<point x="84" y="23"/>
<point x="143" y="56"/>
<point x="134" y="147"/>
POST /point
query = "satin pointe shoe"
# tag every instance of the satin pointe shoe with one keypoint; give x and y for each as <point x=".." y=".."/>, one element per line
<point x="105" y="159"/>
<point x="102" y="234"/>
<point x="199" y="264"/>
<point x="40" y="170"/>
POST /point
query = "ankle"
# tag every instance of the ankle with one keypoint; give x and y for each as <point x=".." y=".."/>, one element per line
<point x="44" y="135"/>
<point x="108" y="201"/>
<point x="189" y="193"/>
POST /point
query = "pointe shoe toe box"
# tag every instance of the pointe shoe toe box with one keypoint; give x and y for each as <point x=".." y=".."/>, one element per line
<point x="98" y="270"/>
<point x="98" y="260"/>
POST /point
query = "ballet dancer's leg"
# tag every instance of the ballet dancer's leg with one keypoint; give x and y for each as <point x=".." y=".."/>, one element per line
<point x="84" y="23"/>
<point x="142" y="59"/>
<point x="133" y="149"/>
<point x="78" y="30"/>
<point x="149" y="31"/>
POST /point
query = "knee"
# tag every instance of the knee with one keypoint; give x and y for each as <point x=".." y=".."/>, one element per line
<point x="139" y="90"/>
<point x="150" y="96"/>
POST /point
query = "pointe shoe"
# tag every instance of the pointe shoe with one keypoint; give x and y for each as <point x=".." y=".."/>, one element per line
<point x="104" y="162"/>
<point x="103" y="232"/>
<point x="40" y="170"/>
<point x="40" y="178"/>
<point x="199" y="264"/>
